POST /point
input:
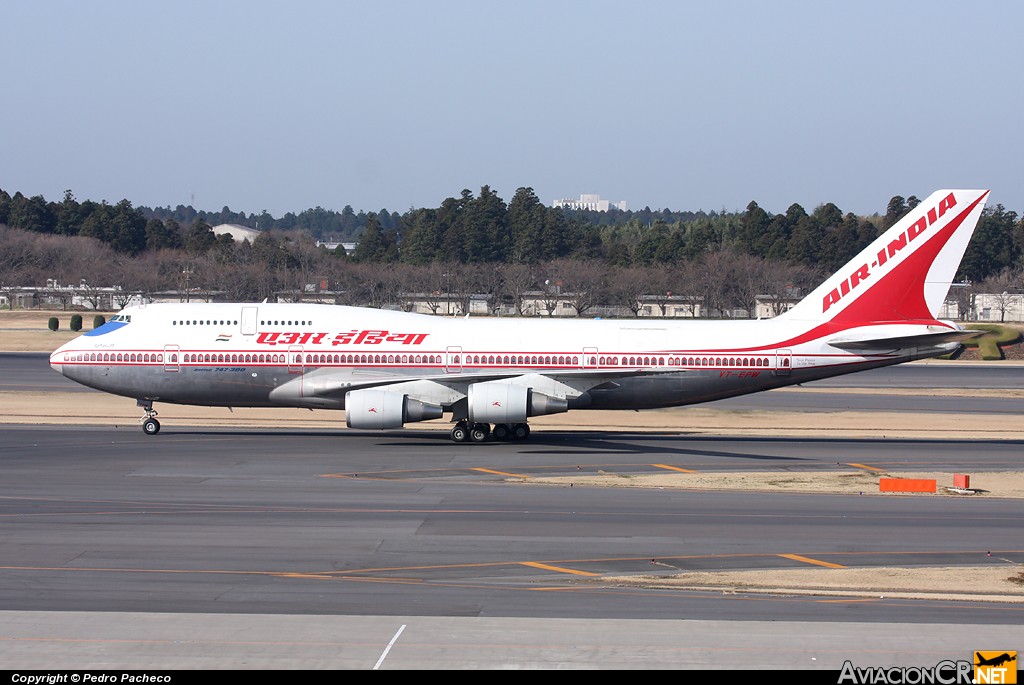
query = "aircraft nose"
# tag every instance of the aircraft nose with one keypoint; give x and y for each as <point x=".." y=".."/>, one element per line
<point x="57" y="362"/>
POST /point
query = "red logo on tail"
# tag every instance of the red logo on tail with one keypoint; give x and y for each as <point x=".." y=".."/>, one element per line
<point x="863" y="272"/>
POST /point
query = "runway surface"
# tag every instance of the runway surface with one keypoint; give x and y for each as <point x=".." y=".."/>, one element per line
<point x="211" y="526"/>
<point x="219" y="548"/>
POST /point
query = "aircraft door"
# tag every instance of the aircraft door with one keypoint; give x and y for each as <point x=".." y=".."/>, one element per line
<point x="248" y="321"/>
<point x="589" y="360"/>
<point x="171" y="355"/>
<point x="453" y="360"/>
<point x="295" y="359"/>
<point x="783" y="362"/>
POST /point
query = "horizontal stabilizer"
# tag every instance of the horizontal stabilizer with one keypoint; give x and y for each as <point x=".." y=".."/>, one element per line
<point x="905" y="341"/>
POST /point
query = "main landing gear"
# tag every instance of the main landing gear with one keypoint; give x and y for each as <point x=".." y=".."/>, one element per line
<point x="150" y="426"/>
<point x="479" y="432"/>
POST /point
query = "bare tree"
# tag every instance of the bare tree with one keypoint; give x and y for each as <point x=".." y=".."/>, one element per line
<point x="307" y="260"/>
<point x="156" y="271"/>
<point x="19" y="261"/>
<point x="373" y="287"/>
<point x="407" y="283"/>
<point x="550" y="288"/>
<point x="585" y="282"/>
<point x="686" y="279"/>
<point x="96" y="272"/>
<point x="627" y="286"/>
<point x="437" y="285"/>
<point x="786" y="283"/>
<point x="128" y="277"/>
<point x="492" y="284"/>
<point x="963" y="295"/>
<point x="714" y="282"/>
<point x="750" y="278"/>
<point x="1002" y="289"/>
<point x="661" y="283"/>
<point x="467" y="281"/>
<point x="516" y="281"/>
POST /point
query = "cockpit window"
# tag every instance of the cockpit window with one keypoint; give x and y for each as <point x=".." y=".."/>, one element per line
<point x="124" y="318"/>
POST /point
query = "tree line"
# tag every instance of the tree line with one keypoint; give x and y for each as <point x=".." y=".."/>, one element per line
<point x="483" y="229"/>
<point x="276" y="265"/>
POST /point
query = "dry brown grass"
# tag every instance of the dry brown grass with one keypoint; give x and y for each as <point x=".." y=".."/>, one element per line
<point x="26" y="330"/>
<point x="990" y="583"/>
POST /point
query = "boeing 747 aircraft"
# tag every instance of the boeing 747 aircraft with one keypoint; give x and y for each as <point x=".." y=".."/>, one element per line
<point x="387" y="369"/>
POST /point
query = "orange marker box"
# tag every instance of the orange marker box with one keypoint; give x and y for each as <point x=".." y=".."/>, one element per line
<point x="906" y="484"/>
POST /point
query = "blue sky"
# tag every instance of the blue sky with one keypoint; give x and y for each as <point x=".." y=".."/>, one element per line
<point x="398" y="104"/>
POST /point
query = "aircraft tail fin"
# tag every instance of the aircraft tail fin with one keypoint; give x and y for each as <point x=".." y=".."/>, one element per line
<point x="905" y="274"/>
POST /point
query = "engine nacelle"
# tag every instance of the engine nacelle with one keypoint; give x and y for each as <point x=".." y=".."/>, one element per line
<point x="497" y="402"/>
<point x="383" y="409"/>
<point x="502" y="402"/>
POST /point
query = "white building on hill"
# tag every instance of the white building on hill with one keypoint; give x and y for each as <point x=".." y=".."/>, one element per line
<point x="238" y="233"/>
<point x="591" y="202"/>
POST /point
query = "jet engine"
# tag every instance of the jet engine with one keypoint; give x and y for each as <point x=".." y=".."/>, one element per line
<point x="383" y="409"/>
<point x="503" y="402"/>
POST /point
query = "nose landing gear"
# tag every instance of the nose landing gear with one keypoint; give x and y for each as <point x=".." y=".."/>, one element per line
<point x="150" y="426"/>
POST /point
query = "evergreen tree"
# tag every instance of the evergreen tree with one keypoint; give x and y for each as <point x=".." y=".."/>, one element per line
<point x="70" y="215"/>
<point x="828" y="215"/>
<point x="422" y="237"/>
<point x="753" y="232"/>
<point x="348" y="221"/>
<point x="993" y="248"/>
<point x="5" y="207"/>
<point x="483" y="224"/>
<point x="646" y="251"/>
<point x="527" y="222"/>
<point x="376" y="245"/>
<point x="805" y="243"/>
<point x="160" y="237"/>
<point x="895" y="211"/>
<point x="128" y="229"/>
<point x="701" y="238"/>
<point x="453" y="228"/>
<point x="98" y="222"/>
<point x="31" y="214"/>
<point x="200" y="238"/>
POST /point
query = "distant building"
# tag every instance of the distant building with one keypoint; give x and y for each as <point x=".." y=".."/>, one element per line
<point x="238" y="233"/>
<point x="190" y="295"/>
<point x="998" y="307"/>
<point x="333" y="245"/>
<point x="591" y="202"/>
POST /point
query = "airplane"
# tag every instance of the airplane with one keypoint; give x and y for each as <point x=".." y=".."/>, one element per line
<point x="994" y="661"/>
<point x="386" y="369"/>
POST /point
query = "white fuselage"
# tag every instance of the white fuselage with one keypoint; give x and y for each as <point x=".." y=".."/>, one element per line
<point x="238" y="354"/>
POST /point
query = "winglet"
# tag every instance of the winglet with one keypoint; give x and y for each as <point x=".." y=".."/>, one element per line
<point x="905" y="273"/>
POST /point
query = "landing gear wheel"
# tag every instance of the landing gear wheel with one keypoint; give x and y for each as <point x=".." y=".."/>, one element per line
<point x="521" y="431"/>
<point x="479" y="432"/>
<point x="501" y="431"/>
<point x="460" y="433"/>
<point x="150" y="426"/>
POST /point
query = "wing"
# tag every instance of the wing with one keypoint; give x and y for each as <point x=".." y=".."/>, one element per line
<point x="327" y="388"/>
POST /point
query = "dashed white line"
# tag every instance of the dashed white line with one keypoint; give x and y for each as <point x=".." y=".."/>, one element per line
<point x="388" y="648"/>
